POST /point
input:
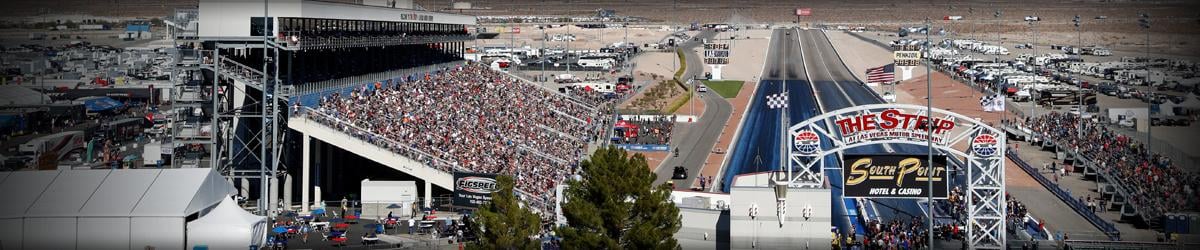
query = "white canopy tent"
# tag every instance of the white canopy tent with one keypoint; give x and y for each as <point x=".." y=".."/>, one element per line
<point x="381" y="197"/>
<point x="18" y="95"/>
<point x="1191" y="102"/>
<point x="226" y="226"/>
<point x="109" y="209"/>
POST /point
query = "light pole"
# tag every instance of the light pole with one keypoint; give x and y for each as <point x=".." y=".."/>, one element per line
<point x="568" y="39"/>
<point x="929" y="129"/>
<point x="1070" y="75"/>
<point x="542" y="54"/>
<point x="1001" y="22"/>
<point x="1003" y="113"/>
<point x="1144" y="22"/>
<point x="970" y="23"/>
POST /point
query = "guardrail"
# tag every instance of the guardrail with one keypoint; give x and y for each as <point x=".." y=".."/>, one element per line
<point x="1108" y="228"/>
<point x="1103" y="244"/>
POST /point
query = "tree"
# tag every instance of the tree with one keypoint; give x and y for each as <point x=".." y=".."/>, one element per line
<point x="613" y="205"/>
<point x="504" y="224"/>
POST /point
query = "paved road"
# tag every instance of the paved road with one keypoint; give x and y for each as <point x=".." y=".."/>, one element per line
<point x="695" y="140"/>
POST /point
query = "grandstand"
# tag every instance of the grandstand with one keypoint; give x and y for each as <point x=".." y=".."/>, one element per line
<point x="265" y="68"/>
<point x="470" y="118"/>
<point x="1146" y="186"/>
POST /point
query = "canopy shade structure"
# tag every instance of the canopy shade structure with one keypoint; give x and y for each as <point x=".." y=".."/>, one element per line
<point x="100" y="104"/>
<point x="226" y="226"/>
<point x="17" y="95"/>
<point x="110" y="209"/>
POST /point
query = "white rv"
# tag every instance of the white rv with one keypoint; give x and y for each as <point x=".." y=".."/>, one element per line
<point x="48" y="150"/>
<point x="596" y="61"/>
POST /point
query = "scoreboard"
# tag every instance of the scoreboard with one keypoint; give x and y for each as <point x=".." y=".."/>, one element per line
<point x="716" y="53"/>
<point x="906" y="55"/>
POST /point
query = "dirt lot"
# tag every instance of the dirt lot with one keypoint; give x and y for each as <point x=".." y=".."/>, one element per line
<point x="1174" y="22"/>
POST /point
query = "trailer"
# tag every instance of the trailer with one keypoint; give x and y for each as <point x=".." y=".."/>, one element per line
<point x="45" y="152"/>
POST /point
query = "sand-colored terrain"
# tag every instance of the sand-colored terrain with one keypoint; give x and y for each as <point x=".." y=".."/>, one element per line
<point x="864" y="55"/>
<point x="585" y="39"/>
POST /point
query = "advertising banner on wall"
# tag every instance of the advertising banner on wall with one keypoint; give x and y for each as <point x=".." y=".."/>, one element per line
<point x="893" y="176"/>
<point x="473" y="189"/>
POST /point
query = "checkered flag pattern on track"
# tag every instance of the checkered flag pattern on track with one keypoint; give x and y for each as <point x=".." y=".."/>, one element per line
<point x="777" y="100"/>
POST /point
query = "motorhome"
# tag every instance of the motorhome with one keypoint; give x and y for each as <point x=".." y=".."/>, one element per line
<point x="601" y="87"/>
<point x="566" y="78"/>
<point x="596" y="61"/>
<point x="45" y="152"/>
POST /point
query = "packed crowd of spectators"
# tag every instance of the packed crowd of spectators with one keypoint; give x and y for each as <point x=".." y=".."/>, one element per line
<point x="896" y="234"/>
<point x="1156" y="186"/>
<point x="471" y="118"/>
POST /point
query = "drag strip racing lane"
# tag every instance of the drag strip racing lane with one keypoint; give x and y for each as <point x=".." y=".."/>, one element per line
<point x="758" y="147"/>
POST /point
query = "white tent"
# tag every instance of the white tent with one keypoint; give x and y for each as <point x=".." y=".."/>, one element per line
<point x="18" y="95"/>
<point x="109" y="209"/>
<point x="1192" y="102"/>
<point x="381" y="197"/>
<point x="226" y="226"/>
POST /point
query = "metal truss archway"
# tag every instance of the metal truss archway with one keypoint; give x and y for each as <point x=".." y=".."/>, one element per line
<point x="981" y="145"/>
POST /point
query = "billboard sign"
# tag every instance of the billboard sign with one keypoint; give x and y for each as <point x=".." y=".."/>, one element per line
<point x="716" y="53"/>
<point x="893" y="176"/>
<point x="893" y="124"/>
<point x="473" y="189"/>
<point x="804" y="11"/>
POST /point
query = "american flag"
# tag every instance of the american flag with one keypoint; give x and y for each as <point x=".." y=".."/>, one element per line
<point x="882" y="74"/>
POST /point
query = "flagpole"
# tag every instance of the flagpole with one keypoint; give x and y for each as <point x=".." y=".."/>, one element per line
<point x="783" y="147"/>
<point x="929" y="127"/>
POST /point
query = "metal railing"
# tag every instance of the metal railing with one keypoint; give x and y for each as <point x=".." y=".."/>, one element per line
<point x="294" y="40"/>
<point x="380" y="141"/>
<point x="242" y="72"/>
<point x="1108" y="228"/>
<point x="1106" y="173"/>
<point x="337" y="85"/>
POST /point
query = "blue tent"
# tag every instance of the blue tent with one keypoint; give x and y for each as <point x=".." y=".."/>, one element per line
<point x="101" y="104"/>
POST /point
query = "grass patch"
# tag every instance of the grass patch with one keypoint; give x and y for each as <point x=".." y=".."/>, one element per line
<point x="682" y="65"/>
<point x="678" y="103"/>
<point x="725" y="88"/>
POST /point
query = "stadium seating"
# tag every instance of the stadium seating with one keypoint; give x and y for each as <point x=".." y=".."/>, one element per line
<point x="471" y="118"/>
<point x="1156" y="185"/>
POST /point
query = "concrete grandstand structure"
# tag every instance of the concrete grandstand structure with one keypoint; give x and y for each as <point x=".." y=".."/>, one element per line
<point x="305" y="49"/>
